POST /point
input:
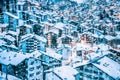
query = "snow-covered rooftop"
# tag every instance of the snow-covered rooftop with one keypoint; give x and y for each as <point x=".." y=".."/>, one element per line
<point x="13" y="32"/>
<point x="9" y="77"/>
<point x="28" y="26"/>
<point x="47" y="23"/>
<point x="87" y="47"/>
<point x="20" y="3"/>
<point x="3" y="25"/>
<point x="10" y="14"/>
<point x="9" y="46"/>
<point x="2" y="42"/>
<point x="12" y="58"/>
<point x="53" y="31"/>
<point x="66" y="72"/>
<point x="9" y="37"/>
<point x="35" y="54"/>
<point x="109" y="66"/>
<point x="78" y="63"/>
<point x="28" y="36"/>
<point x="51" y="53"/>
<point x="59" y="25"/>
<point x="109" y="37"/>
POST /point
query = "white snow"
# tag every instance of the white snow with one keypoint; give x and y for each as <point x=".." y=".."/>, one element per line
<point x="53" y="31"/>
<point x="109" y="66"/>
<point x="108" y="37"/>
<point x="80" y="64"/>
<point x="10" y="38"/>
<point x="16" y="17"/>
<point x="82" y="46"/>
<point x="12" y="58"/>
<point x="51" y="53"/>
<point x="47" y="23"/>
<point x="2" y="42"/>
<point x="28" y="36"/>
<point x="28" y="26"/>
<point x="13" y="32"/>
<point x="3" y="25"/>
<point x="35" y="54"/>
<point x="59" y="25"/>
<point x="20" y="3"/>
<point x="104" y="47"/>
<point x="41" y="38"/>
<point x="10" y="77"/>
<point x="66" y="72"/>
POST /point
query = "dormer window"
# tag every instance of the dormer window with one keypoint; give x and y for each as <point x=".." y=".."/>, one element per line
<point x="106" y="64"/>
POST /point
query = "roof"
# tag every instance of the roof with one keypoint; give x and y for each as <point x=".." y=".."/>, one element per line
<point x="108" y="37"/>
<point x="2" y="42"/>
<point x="47" y="23"/>
<point x="15" y="58"/>
<point x="78" y="63"/>
<point x="12" y="15"/>
<point x="28" y="26"/>
<point x="3" y="25"/>
<point x="59" y="25"/>
<point x="12" y="58"/>
<point x="66" y="72"/>
<point x="82" y="46"/>
<point x="109" y="66"/>
<point x="10" y="77"/>
<point x="34" y="54"/>
<point x="9" y="37"/>
<point x="20" y="3"/>
<point x="13" y="32"/>
<point x="10" y="46"/>
<point x="53" y="31"/>
<point x="52" y="54"/>
<point x="41" y="38"/>
<point x="104" y="47"/>
<point x="28" y="36"/>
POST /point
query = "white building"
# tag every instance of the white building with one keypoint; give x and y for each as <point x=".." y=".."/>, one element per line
<point x="62" y="73"/>
<point x="25" y="67"/>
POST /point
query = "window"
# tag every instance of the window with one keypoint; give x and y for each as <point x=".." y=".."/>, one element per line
<point x="38" y="67"/>
<point x="19" y="7"/>
<point x="101" y="78"/>
<point x="32" y="62"/>
<point x="37" y="73"/>
<point x="95" y="72"/>
<point x="31" y="69"/>
<point x="31" y="75"/>
<point x="106" y="64"/>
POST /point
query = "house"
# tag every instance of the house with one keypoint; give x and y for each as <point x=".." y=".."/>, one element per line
<point x="12" y="20"/>
<point x="23" y="66"/>
<point x="8" y="77"/>
<point x="31" y="42"/>
<point x="51" y="59"/>
<point x="9" y="6"/>
<point x="38" y="29"/>
<point x="59" y="27"/>
<point x="3" y="27"/>
<point x="25" y="29"/>
<point x="53" y="32"/>
<point x="100" y="69"/>
<point x="64" y="50"/>
<point x="24" y="5"/>
<point x="8" y="61"/>
<point x="62" y="73"/>
<point x="8" y="42"/>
